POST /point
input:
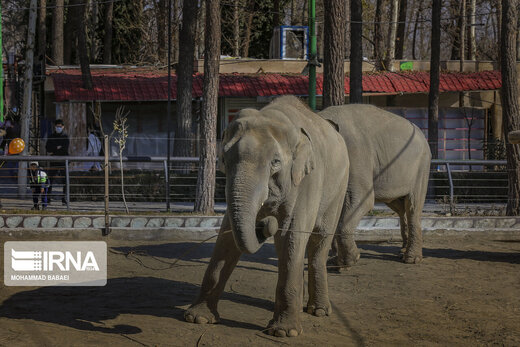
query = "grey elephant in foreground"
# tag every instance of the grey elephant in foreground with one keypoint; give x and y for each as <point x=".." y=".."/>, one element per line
<point x="389" y="162"/>
<point x="286" y="175"/>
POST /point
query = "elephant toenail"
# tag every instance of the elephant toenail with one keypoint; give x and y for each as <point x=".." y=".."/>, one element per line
<point x="189" y="318"/>
<point x="201" y="320"/>
<point x="280" y="333"/>
<point x="293" y="333"/>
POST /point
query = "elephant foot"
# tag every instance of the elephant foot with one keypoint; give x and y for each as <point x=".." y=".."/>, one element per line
<point x="318" y="310"/>
<point x="412" y="258"/>
<point x="201" y="314"/>
<point x="287" y="328"/>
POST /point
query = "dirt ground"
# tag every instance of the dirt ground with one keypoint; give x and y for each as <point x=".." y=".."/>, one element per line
<point x="465" y="292"/>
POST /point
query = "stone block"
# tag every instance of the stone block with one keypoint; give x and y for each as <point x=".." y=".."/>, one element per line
<point x="446" y="223"/>
<point x="367" y="222"/>
<point x="485" y="223"/>
<point x="505" y="222"/>
<point x="49" y="222"/>
<point x="13" y="221"/>
<point x="65" y="222"/>
<point x="120" y="222"/>
<point x="427" y="222"/>
<point x="387" y="223"/>
<point x="463" y="223"/>
<point x="82" y="222"/>
<point x="138" y="222"/>
<point x="98" y="222"/>
<point x="155" y="223"/>
<point x="191" y="222"/>
<point x="209" y="222"/>
<point x="31" y="222"/>
<point x="174" y="222"/>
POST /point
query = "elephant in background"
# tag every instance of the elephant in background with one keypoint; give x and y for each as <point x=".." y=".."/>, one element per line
<point x="283" y="178"/>
<point x="389" y="162"/>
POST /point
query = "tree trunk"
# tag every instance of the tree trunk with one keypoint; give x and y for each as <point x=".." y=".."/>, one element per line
<point x="462" y="40"/>
<point x="93" y="27"/>
<point x="79" y="16"/>
<point x="187" y="37"/>
<point x="236" y="29"/>
<point x="389" y="59"/>
<point x="107" y="44"/>
<point x="26" y="115"/>
<point x="161" y="12"/>
<point x="472" y="44"/>
<point x="249" y="24"/>
<point x="401" y="29"/>
<point x="204" y="201"/>
<point x="334" y="57"/>
<point x="42" y="30"/>
<point x="433" y="99"/>
<point x="356" y="52"/>
<point x="378" y="36"/>
<point x="510" y="107"/>
<point x="175" y="31"/>
<point x="415" y="28"/>
<point x="69" y="39"/>
<point x="276" y="13"/>
<point x="57" y="33"/>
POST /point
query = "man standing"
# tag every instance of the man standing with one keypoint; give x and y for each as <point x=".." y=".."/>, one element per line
<point x="57" y="145"/>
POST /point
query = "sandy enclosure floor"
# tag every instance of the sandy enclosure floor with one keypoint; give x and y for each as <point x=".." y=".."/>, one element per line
<point x="465" y="292"/>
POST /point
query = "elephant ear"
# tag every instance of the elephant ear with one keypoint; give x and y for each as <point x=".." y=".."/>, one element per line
<point x="303" y="158"/>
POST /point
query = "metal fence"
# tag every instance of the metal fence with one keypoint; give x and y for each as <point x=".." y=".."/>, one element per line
<point x="80" y="183"/>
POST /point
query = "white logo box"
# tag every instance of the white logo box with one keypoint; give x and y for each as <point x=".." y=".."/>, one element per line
<point x="55" y="263"/>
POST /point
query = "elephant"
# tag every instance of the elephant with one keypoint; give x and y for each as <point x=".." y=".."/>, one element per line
<point x="389" y="162"/>
<point x="283" y="179"/>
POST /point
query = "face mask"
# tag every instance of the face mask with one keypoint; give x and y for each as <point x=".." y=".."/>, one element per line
<point x="59" y="130"/>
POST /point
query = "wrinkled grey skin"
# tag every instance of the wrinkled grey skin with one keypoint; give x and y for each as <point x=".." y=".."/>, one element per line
<point x="389" y="162"/>
<point x="283" y="177"/>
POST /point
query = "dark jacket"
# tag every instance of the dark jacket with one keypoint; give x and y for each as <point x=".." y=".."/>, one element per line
<point x="56" y="140"/>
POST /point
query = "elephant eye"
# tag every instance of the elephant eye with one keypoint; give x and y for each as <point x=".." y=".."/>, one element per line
<point x="276" y="164"/>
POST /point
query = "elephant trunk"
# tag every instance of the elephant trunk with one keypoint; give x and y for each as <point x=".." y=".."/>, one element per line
<point x="244" y="202"/>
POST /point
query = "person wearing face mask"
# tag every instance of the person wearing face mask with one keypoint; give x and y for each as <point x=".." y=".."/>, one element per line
<point x="57" y="145"/>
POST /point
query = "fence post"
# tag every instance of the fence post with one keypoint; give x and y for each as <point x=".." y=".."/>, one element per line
<point x="67" y="184"/>
<point x="450" y="179"/>
<point x="167" y="184"/>
<point x="106" y="231"/>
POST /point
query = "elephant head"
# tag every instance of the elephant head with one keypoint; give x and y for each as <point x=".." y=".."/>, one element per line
<point x="265" y="158"/>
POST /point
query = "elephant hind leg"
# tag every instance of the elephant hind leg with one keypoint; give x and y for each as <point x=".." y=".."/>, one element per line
<point x="353" y="210"/>
<point x="398" y="206"/>
<point x="414" y="204"/>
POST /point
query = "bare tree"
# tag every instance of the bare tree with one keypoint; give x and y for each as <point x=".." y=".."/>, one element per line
<point x="57" y="32"/>
<point x="79" y="15"/>
<point x="392" y="32"/>
<point x="161" y="12"/>
<point x="249" y="24"/>
<point x="462" y="41"/>
<point x="204" y="201"/>
<point x="108" y="25"/>
<point x="433" y="99"/>
<point x="187" y="36"/>
<point x="236" y="28"/>
<point x="42" y="29"/>
<point x="472" y="43"/>
<point x="334" y="56"/>
<point x="27" y="95"/>
<point x="356" y="52"/>
<point x="378" y="36"/>
<point x="94" y="7"/>
<point x="510" y="107"/>
<point x="401" y="28"/>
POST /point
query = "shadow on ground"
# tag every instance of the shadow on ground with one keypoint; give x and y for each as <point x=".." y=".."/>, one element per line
<point x="86" y="308"/>
<point x="197" y="252"/>
<point x="391" y="253"/>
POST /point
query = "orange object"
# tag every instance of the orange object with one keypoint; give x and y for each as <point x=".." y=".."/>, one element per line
<point x="16" y="146"/>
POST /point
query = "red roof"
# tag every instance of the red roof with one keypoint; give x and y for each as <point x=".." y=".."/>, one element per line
<point x="110" y="85"/>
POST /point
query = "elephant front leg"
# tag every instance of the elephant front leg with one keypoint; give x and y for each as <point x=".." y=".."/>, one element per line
<point x="289" y="289"/>
<point x="317" y="250"/>
<point x="223" y="261"/>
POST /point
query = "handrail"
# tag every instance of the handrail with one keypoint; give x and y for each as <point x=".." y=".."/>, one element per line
<point x="142" y="159"/>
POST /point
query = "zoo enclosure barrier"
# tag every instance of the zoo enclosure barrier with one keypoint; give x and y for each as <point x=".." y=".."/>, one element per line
<point x="146" y="180"/>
